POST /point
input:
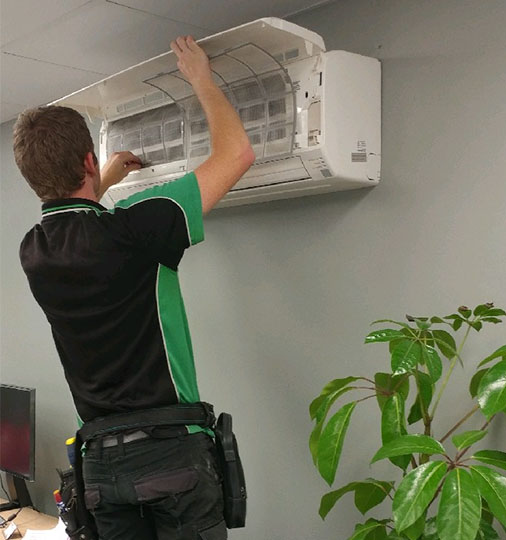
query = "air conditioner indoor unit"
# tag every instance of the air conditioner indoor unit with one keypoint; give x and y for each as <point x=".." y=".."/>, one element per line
<point x="313" y="116"/>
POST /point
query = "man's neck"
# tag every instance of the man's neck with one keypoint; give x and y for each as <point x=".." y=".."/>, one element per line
<point x="86" y="191"/>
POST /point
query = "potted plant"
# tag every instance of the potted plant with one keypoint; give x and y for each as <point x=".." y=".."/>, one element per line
<point x="445" y="490"/>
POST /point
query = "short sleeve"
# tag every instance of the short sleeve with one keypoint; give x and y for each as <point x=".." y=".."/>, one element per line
<point x="165" y="219"/>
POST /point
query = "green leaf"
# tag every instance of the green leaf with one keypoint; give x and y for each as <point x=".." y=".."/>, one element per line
<point x="453" y="317"/>
<point x="415" y="492"/>
<point x="404" y="325"/>
<point x="388" y="383"/>
<point x="423" y="324"/>
<point x="330" y="399"/>
<point x="329" y="499"/>
<point x="393" y="425"/>
<point x="363" y="530"/>
<point x="424" y="397"/>
<point x="486" y="532"/>
<point x="466" y="312"/>
<point x="493" y="320"/>
<point x="457" y="323"/>
<point x="478" y="310"/>
<point x="459" y="507"/>
<point x="314" y="440"/>
<point x="370" y="493"/>
<point x="494" y="312"/>
<point x="463" y="440"/>
<point x="405" y="357"/>
<point x="492" y="486"/>
<point x="501" y="352"/>
<point x="331" y="442"/>
<point x="379" y="533"/>
<point x="491" y="457"/>
<point x="492" y="390"/>
<point x="409" y="444"/>
<point x="337" y="384"/>
<point x="445" y="343"/>
<point x="436" y="320"/>
<point x="329" y="388"/>
<point x="433" y="362"/>
<point x="413" y="532"/>
<point x="430" y="532"/>
<point x="486" y="514"/>
<point x="475" y="382"/>
<point x="381" y="336"/>
<point x="477" y="325"/>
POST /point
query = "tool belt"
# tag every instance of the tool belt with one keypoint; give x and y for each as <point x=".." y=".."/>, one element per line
<point x="201" y="414"/>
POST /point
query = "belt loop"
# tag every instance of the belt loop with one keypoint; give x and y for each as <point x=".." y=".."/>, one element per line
<point x="100" y="448"/>
<point x="121" y="446"/>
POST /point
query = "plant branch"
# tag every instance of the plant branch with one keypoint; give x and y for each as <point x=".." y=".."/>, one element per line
<point x="439" y="488"/>
<point x="425" y="413"/>
<point x="450" y="370"/>
<point x="460" y="422"/>
<point x="367" y="397"/>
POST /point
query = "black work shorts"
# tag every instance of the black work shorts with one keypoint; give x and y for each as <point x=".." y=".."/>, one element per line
<point x="156" y="489"/>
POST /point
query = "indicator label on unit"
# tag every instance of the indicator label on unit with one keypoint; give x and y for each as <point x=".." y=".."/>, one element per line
<point x="360" y="156"/>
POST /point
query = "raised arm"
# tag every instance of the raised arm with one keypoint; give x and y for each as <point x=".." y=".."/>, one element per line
<point x="231" y="152"/>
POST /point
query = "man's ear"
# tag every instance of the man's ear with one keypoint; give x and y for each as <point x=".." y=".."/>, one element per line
<point x="90" y="163"/>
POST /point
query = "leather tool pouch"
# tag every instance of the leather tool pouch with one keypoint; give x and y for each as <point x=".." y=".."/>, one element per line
<point x="234" y="485"/>
<point x="79" y="524"/>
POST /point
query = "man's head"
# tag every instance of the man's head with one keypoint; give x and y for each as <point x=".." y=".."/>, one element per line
<point x="51" y="148"/>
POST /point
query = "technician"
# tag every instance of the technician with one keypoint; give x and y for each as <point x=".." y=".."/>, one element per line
<point x="107" y="282"/>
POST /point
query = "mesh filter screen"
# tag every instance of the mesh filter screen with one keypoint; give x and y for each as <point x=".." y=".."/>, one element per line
<point x="254" y="82"/>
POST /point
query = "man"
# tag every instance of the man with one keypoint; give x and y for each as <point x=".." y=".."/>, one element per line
<point x="107" y="282"/>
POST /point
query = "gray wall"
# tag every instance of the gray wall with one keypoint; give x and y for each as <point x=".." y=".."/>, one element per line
<point x="280" y="295"/>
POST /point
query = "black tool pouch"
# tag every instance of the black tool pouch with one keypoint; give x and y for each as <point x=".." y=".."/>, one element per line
<point x="234" y="485"/>
<point x="79" y="524"/>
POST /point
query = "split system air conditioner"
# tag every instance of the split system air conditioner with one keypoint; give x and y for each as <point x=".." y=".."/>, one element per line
<point x="313" y="116"/>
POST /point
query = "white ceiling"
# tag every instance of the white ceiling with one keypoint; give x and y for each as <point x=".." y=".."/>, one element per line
<point x="51" y="48"/>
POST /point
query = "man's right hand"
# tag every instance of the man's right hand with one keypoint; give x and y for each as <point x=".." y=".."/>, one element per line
<point x="231" y="152"/>
<point x="192" y="60"/>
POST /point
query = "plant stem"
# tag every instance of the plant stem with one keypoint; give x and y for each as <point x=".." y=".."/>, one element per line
<point x="367" y="397"/>
<point x="425" y="415"/>
<point x="460" y="422"/>
<point x="438" y="491"/>
<point x="450" y="370"/>
<point x="424" y="458"/>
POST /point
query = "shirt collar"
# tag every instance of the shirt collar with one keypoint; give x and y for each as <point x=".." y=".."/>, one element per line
<point x="72" y="204"/>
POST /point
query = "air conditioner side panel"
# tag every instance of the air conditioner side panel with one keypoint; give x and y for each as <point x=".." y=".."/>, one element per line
<point x="351" y="116"/>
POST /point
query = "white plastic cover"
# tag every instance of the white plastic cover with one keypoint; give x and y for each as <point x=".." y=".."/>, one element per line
<point x="132" y="90"/>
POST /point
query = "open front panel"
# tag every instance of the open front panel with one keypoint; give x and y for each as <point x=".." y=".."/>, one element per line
<point x="255" y="83"/>
<point x="126" y="92"/>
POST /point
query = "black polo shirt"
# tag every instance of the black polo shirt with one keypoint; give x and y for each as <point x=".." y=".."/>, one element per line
<point x="107" y="282"/>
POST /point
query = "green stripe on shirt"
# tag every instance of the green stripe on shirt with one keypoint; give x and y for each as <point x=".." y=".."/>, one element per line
<point x="186" y="193"/>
